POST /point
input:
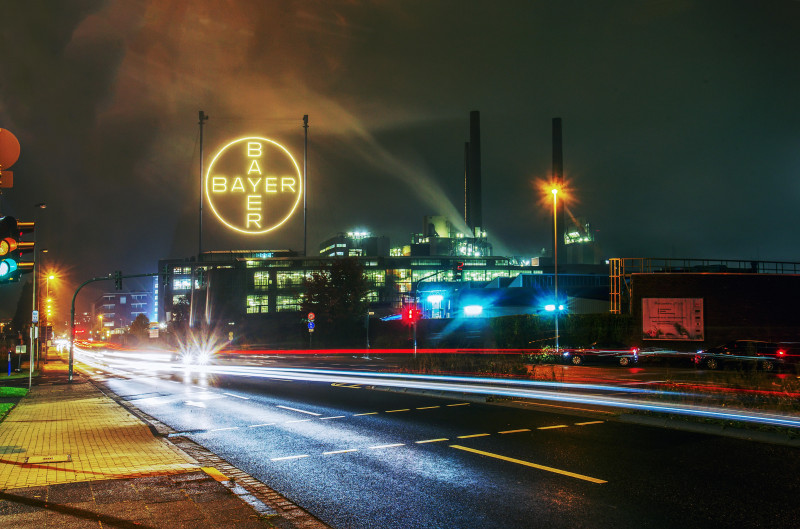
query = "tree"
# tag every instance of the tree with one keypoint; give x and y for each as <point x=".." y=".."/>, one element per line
<point x="338" y="297"/>
<point x="140" y="326"/>
<point x="180" y="314"/>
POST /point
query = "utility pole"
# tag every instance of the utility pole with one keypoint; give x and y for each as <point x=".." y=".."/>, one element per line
<point x="305" y="184"/>
<point x="203" y="119"/>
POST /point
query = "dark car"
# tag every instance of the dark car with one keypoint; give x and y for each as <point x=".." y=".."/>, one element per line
<point x="622" y="357"/>
<point x="768" y="356"/>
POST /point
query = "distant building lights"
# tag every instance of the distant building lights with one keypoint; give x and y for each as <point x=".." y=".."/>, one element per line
<point x="435" y="298"/>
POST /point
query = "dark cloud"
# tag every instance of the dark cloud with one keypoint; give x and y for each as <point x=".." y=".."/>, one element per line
<point x="680" y="119"/>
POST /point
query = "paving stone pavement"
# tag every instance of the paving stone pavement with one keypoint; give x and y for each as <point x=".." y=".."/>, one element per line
<point x="74" y="455"/>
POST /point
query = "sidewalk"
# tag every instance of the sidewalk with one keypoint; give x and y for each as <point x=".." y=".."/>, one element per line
<point x="72" y="457"/>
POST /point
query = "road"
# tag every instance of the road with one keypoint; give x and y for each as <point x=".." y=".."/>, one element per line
<point x="363" y="458"/>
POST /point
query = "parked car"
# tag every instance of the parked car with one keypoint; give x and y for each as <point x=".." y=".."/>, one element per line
<point x="622" y="357"/>
<point x="768" y="356"/>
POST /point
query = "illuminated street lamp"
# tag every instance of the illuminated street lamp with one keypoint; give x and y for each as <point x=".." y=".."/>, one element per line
<point x="555" y="256"/>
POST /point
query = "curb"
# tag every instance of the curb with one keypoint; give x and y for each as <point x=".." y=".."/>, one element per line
<point x="276" y="508"/>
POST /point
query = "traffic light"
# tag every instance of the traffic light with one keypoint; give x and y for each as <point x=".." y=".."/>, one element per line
<point x="118" y="279"/>
<point x="458" y="268"/>
<point x="411" y="314"/>
<point x="12" y="248"/>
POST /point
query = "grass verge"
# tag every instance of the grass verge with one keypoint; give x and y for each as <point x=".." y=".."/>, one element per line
<point x="13" y="392"/>
<point x="5" y="407"/>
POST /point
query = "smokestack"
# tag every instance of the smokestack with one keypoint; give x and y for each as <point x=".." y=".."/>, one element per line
<point x="558" y="179"/>
<point x="472" y="212"/>
<point x="467" y="215"/>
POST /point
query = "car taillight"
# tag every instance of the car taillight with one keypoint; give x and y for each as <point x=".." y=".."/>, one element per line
<point x="781" y="352"/>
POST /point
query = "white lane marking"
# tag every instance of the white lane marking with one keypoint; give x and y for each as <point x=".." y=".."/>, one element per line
<point x="224" y="429"/>
<point x="300" y="411"/>
<point x="386" y="446"/>
<point x="288" y="457"/>
<point x="300" y="420"/>
<point x="326" y="418"/>
<point x="196" y="404"/>
<point x="237" y="396"/>
<point x="257" y="425"/>
<point x="340" y="451"/>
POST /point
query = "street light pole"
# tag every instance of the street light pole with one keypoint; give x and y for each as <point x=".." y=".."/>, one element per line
<point x="555" y="256"/>
<point x="40" y="205"/>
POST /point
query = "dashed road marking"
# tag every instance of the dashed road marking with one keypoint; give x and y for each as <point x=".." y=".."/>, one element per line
<point x="473" y="435"/>
<point x="237" y="396"/>
<point x="299" y="420"/>
<point x="459" y="404"/>
<point x="395" y="411"/>
<point x="259" y="425"/>
<point x="551" y="427"/>
<point x="429" y="407"/>
<point x="288" y="457"/>
<point x="224" y="429"/>
<point x="300" y="411"/>
<point x="340" y="451"/>
<point x="386" y="446"/>
<point x="590" y="422"/>
<point x="516" y="431"/>
<point x="368" y="413"/>
<point x="432" y="440"/>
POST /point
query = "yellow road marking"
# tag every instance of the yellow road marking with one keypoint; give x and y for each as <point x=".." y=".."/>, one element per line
<point x="429" y="407"/>
<point x="431" y="441"/>
<point x="517" y="431"/>
<point x="214" y="473"/>
<point x="395" y="411"/>
<point x="460" y="404"/>
<point x="370" y="413"/>
<point x="529" y="464"/>
<point x="571" y="408"/>
<point x="473" y="435"/>
<point x="551" y="427"/>
<point x="590" y="422"/>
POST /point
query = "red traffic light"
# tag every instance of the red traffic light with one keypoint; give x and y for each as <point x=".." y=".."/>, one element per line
<point x="411" y="314"/>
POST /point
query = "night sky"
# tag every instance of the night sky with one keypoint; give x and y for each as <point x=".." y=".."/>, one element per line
<point x="681" y="120"/>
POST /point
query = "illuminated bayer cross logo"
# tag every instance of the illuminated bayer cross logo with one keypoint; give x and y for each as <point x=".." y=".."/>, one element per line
<point x="253" y="185"/>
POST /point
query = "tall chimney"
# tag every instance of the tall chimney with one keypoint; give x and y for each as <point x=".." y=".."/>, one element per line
<point x="558" y="179"/>
<point x="473" y="214"/>
<point x="467" y="209"/>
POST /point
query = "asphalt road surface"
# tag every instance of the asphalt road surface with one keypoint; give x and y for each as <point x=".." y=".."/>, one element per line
<point x="363" y="458"/>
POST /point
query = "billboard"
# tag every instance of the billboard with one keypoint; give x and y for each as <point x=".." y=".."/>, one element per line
<point x="672" y="319"/>
<point x="253" y="185"/>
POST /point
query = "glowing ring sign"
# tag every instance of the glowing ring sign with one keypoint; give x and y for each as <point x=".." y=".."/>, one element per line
<point x="253" y="185"/>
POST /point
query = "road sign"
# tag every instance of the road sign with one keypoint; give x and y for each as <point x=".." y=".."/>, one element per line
<point x="311" y="326"/>
<point x="311" y="316"/>
<point x="35" y="316"/>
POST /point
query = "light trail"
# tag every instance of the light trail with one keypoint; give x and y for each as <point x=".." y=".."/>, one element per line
<point x="529" y="389"/>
